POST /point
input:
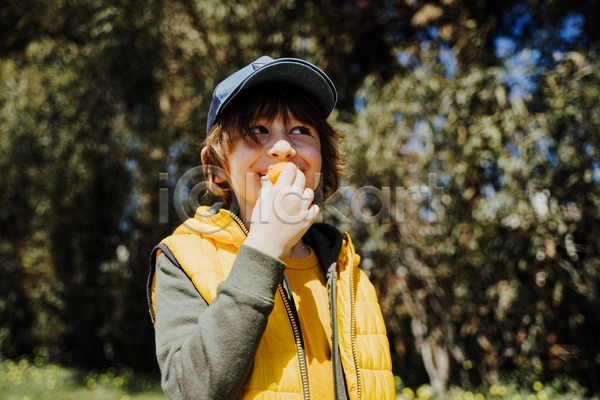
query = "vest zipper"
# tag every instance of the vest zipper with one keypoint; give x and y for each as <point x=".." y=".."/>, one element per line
<point x="353" y="323"/>
<point x="239" y="222"/>
<point x="290" y="308"/>
<point x="294" y="321"/>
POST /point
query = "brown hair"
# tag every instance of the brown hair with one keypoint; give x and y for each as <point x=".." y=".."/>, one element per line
<point x="269" y="100"/>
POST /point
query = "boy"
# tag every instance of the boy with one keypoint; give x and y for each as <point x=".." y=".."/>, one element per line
<point x="258" y="300"/>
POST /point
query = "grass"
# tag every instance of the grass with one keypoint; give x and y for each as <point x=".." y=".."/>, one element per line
<point x="508" y="390"/>
<point x="33" y="379"/>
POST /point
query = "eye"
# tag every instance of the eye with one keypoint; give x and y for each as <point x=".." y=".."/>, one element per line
<point x="301" y="130"/>
<point x="259" y="129"/>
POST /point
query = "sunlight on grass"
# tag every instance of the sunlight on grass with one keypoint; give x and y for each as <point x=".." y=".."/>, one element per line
<point x="508" y="390"/>
<point x="34" y="379"/>
<point x="27" y="379"/>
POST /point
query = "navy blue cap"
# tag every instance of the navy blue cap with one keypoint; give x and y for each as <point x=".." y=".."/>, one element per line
<point x="291" y="70"/>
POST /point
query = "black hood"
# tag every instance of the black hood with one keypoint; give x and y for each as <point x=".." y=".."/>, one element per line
<point x="326" y="241"/>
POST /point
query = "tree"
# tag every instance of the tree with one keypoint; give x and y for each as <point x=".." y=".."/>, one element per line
<point x="497" y="271"/>
<point x="99" y="99"/>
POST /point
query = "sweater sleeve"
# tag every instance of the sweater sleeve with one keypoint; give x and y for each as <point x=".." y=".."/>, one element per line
<point x="207" y="351"/>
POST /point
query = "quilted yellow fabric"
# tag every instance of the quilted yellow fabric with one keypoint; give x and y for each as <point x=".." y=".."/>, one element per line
<point x="206" y="247"/>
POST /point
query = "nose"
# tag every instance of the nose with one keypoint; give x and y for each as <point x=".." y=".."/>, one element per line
<point x="282" y="149"/>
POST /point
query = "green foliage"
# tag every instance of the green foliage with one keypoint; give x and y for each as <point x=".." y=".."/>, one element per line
<point x="507" y="389"/>
<point x="66" y="134"/>
<point x="98" y="97"/>
<point x="501" y="270"/>
<point x="34" y="379"/>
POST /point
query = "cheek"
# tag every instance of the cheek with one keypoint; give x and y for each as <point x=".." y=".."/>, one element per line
<point x="241" y="160"/>
<point x="317" y="155"/>
<point x="315" y="166"/>
<point x="316" y="160"/>
<point x="313" y="154"/>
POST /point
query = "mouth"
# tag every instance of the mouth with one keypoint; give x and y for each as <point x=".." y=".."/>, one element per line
<point x="263" y="174"/>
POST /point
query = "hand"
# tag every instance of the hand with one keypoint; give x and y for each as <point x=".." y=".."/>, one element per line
<point x="282" y="214"/>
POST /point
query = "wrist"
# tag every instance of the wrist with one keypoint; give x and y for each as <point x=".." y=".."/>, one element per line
<point x="264" y="246"/>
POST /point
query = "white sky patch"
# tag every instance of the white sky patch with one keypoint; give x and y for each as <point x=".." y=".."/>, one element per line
<point x="539" y="201"/>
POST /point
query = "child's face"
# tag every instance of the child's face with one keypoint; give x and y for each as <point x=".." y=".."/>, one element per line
<point x="294" y="142"/>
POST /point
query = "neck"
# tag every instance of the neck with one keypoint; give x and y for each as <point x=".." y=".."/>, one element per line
<point x="299" y="250"/>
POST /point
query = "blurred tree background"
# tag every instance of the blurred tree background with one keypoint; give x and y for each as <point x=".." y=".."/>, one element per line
<point x="493" y="103"/>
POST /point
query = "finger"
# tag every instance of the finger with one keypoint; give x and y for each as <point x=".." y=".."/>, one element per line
<point x="263" y="193"/>
<point x="313" y="213"/>
<point x="288" y="206"/>
<point x="287" y="176"/>
<point x="307" y="198"/>
<point x="300" y="181"/>
<point x="265" y="182"/>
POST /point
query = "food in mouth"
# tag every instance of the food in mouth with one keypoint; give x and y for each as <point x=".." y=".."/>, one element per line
<point x="275" y="170"/>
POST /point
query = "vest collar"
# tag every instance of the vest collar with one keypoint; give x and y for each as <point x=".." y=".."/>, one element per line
<point x="219" y="224"/>
<point x="223" y="226"/>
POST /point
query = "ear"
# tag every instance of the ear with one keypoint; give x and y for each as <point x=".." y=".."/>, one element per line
<point x="218" y="175"/>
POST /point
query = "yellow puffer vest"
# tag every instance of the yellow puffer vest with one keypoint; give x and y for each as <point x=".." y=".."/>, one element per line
<point x="206" y="247"/>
